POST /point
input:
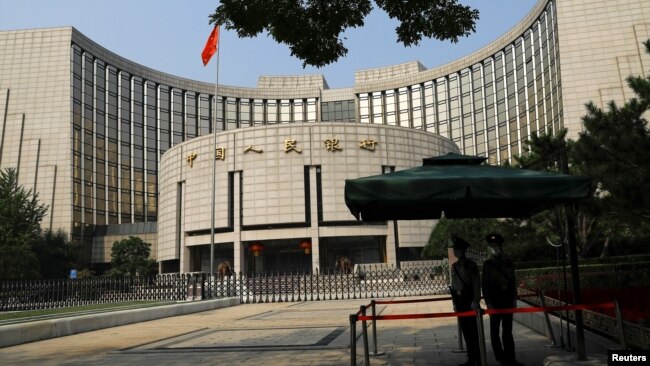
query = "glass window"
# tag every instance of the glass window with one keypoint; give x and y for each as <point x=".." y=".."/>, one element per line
<point x="364" y="108"/>
<point x="430" y="107"/>
<point x="205" y="115"/>
<point x="220" y="123"/>
<point x="178" y="127"/>
<point x="245" y="112"/>
<point x="377" y="108"/>
<point x="231" y="113"/>
<point x="258" y="112"/>
<point x="285" y="111"/>
<point x="311" y="110"/>
<point x="271" y="112"/>
<point x="391" y="119"/>
<point x="404" y="107"/>
<point x="191" y="122"/>
<point x="416" y="102"/>
<point x="298" y="110"/>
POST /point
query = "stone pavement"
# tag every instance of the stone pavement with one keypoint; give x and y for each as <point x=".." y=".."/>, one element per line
<point x="299" y="333"/>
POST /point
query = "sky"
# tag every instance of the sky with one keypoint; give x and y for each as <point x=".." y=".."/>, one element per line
<point x="169" y="35"/>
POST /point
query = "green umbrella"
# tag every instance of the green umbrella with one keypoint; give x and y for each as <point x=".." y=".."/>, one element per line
<point x="461" y="187"/>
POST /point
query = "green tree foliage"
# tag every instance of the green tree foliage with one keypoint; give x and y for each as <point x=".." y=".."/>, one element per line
<point x="313" y="28"/>
<point x="131" y="257"/>
<point x="20" y="218"/>
<point x="615" y="150"/>
<point x="522" y="241"/>
<point x="56" y="255"/>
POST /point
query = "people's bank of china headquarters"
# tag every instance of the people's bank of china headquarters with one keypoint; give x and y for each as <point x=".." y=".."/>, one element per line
<point x="117" y="149"/>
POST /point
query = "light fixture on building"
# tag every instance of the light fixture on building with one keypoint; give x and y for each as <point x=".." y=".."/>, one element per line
<point x="256" y="248"/>
<point x="306" y="246"/>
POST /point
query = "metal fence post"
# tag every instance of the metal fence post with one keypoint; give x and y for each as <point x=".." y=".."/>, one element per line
<point x="373" y="303"/>
<point x="364" y="329"/>
<point x="481" y="335"/>
<point x="353" y="339"/>
<point x="460" y="338"/>
<point x="620" y="325"/>
<point x="203" y="282"/>
<point x="551" y="334"/>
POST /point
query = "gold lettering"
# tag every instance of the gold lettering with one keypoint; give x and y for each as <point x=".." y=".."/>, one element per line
<point x="290" y="145"/>
<point x="368" y="144"/>
<point x="190" y="159"/>
<point x="332" y="144"/>
<point x="220" y="153"/>
<point x="251" y="148"/>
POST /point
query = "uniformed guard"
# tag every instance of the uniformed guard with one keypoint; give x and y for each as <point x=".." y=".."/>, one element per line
<point x="500" y="292"/>
<point x="466" y="294"/>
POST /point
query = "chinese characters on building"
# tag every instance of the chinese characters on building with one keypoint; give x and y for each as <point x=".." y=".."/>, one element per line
<point x="190" y="159"/>
<point x="331" y="144"/>
<point x="291" y="145"/>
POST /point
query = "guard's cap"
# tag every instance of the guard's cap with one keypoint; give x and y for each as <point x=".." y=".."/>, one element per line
<point x="494" y="239"/>
<point x="459" y="243"/>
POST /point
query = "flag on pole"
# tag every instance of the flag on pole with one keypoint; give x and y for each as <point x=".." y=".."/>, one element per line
<point x="211" y="45"/>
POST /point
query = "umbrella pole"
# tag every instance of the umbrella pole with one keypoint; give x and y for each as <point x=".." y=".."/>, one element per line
<point x="575" y="279"/>
<point x="575" y="273"/>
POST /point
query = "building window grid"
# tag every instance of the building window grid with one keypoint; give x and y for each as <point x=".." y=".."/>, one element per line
<point x="454" y="110"/>
<point x="132" y="171"/>
<point x="502" y="118"/>
<point x="550" y="108"/>
<point x="514" y="120"/>
<point x="484" y="143"/>
<point x="100" y="133"/>
<point x="528" y="79"/>
<point x="557" y="111"/>
<point x="468" y="130"/>
<point x="138" y="152"/>
<point x="404" y="107"/>
<point x="87" y="161"/>
<point x="532" y="94"/>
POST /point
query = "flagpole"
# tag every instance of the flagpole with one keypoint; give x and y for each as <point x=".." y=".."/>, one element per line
<point x="214" y="163"/>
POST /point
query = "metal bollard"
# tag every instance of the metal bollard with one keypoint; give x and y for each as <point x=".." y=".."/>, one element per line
<point x="481" y="336"/>
<point x="551" y="334"/>
<point x="374" y="329"/>
<point x="353" y="339"/>
<point x="620" y="325"/>
<point x="460" y="338"/>
<point x="364" y="329"/>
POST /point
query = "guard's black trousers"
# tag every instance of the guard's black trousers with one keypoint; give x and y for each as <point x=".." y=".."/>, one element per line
<point x="504" y="345"/>
<point x="470" y="334"/>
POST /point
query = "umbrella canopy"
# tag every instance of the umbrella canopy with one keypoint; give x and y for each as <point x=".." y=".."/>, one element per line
<point x="461" y="187"/>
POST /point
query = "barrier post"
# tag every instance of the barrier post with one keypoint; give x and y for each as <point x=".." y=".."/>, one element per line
<point x="364" y="329"/>
<point x="460" y="338"/>
<point x="551" y="334"/>
<point x="353" y="339"/>
<point x="373" y="303"/>
<point x="620" y="325"/>
<point x="481" y="335"/>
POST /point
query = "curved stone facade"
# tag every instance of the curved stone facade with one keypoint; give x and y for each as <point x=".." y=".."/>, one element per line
<point x="281" y="185"/>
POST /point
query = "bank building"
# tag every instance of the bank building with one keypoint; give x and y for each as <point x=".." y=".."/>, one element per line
<point x="116" y="149"/>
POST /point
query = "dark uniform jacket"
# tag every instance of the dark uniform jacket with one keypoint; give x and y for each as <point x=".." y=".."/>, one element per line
<point x="499" y="285"/>
<point x="465" y="285"/>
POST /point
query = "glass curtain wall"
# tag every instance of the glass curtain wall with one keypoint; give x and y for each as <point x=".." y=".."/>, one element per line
<point x="490" y="108"/>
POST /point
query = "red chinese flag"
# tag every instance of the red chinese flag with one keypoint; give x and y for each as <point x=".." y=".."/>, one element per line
<point x="211" y="45"/>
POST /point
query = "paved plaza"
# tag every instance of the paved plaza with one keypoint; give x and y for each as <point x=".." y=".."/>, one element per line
<point x="298" y="333"/>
